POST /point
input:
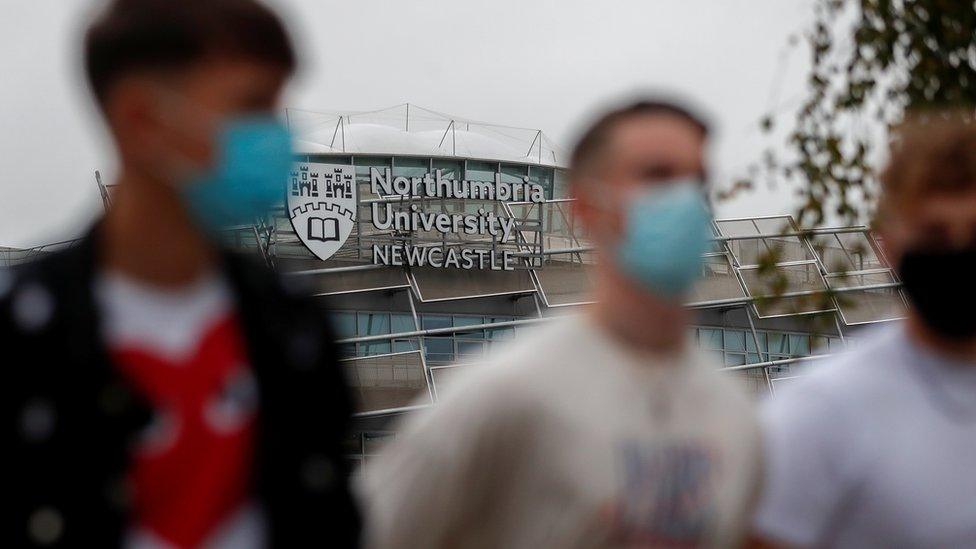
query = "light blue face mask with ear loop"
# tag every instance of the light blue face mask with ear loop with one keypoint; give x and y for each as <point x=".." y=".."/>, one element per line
<point x="667" y="230"/>
<point x="253" y="159"/>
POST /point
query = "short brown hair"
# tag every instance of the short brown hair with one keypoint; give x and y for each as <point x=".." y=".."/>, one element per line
<point x="591" y="143"/>
<point x="133" y="35"/>
<point x="930" y="153"/>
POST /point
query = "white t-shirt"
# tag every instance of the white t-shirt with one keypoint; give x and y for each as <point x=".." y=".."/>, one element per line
<point x="169" y="327"/>
<point x="566" y="439"/>
<point x="877" y="449"/>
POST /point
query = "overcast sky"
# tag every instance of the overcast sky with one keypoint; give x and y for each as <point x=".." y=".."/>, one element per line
<point x="531" y="63"/>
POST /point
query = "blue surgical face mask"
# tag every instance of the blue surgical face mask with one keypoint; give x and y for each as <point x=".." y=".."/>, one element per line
<point x="667" y="231"/>
<point x="253" y="159"/>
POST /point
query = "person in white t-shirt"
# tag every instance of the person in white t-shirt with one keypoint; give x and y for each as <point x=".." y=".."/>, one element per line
<point x="606" y="429"/>
<point x="878" y="448"/>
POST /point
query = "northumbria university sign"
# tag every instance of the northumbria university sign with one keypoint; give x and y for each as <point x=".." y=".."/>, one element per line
<point x="323" y="204"/>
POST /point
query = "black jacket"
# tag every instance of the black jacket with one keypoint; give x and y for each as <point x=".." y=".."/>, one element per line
<point x="70" y="417"/>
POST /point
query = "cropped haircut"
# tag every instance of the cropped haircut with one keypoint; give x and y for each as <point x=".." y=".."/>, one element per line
<point x="593" y="141"/>
<point x="931" y="153"/>
<point x="148" y="35"/>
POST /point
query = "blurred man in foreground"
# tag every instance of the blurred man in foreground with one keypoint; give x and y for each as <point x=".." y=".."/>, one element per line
<point x="160" y="392"/>
<point x="606" y="429"/>
<point x="877" y="449"/>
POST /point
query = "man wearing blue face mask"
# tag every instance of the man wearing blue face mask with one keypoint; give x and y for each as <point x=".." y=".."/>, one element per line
<point x="160" y="391"/>
<point x="606" y="429"/>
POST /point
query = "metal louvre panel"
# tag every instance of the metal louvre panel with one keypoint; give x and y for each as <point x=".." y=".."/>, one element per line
<point x="718" y="281"/>
<point x="385" y="382"/>
<point x="868" y="306"/>
<point x="564" y="279"/>
<point x="749" y="251"/>
<point x="344" y="281"/>
<point x="805" y="277"/>
<point x="842" y="252"/>
<point x="549" y="224"/>
<point x="443" y="284"/>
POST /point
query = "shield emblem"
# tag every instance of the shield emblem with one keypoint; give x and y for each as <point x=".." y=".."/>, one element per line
<point x="322" y="204"/>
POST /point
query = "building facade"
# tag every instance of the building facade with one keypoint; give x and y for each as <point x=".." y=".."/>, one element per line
<point x="432" y="239"/>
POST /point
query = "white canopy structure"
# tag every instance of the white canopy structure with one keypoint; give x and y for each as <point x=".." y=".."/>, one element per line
<point x="408" y="129"/>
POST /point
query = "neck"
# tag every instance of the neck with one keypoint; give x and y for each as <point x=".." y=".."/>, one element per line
<point x="148" y="236"/>
<point x="643" y="322"/>
<point x="964" y="350"/>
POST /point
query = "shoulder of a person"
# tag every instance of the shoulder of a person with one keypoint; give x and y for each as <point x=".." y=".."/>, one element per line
<point x="855" y="375"/>
<point x="842" y="399"/>
<point x="292" y="293"/>
<point x="508" y="382"/>
<point x="30" y="291"/>
<point x="538" y="349"/>
<point x="722" y="385"/>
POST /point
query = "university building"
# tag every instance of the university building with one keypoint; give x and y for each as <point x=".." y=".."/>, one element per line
<point x="407" y="326"/>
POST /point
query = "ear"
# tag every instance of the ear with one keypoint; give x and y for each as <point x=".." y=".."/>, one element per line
<point x="130" y="110"/>
<point x="582" y="207"/>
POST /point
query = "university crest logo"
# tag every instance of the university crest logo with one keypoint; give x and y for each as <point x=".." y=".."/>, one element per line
<point x="322" y="204"/>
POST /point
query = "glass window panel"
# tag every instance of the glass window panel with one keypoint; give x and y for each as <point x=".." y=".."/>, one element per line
<point x="401" y="345"/>
<point x="328" y="159"/>
<point x="560" y="185"/>
<point x="470" y="321"/>
<point x="344" y="324"/>
<point x="470" y="349"/>
<point x="374" y="323"/>
<point x="439" y="349"/>
<point x="778" y="344"/>
<point x="411" y="167"/>
<point x="735" y="340"/>
<point x="480" y="171"/>
<point x="734" y="359"/>
<point x="711" y="338"/>
<point x="433" y="322"/>
<point x="543" y="177"/>
<point x="820" y="345"/>
<point x="363" y="165"/>
<point x="799" y="345"/>
<point x="375" y="348"/>
<point x="513" y="173"/>
<point x="501" y="333"/>
<point x="402" y="323"/>
<point x="450" y="169"/>
<point x="751" y="344"/>
<point x="754" y="358"/>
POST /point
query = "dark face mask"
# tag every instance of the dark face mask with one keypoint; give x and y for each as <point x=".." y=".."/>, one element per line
<point x="940" y="284"/>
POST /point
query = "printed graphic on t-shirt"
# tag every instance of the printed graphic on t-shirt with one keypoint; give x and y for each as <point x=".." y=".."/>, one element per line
<point x="192" y="467"/>
<point x="666" y="494"/>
